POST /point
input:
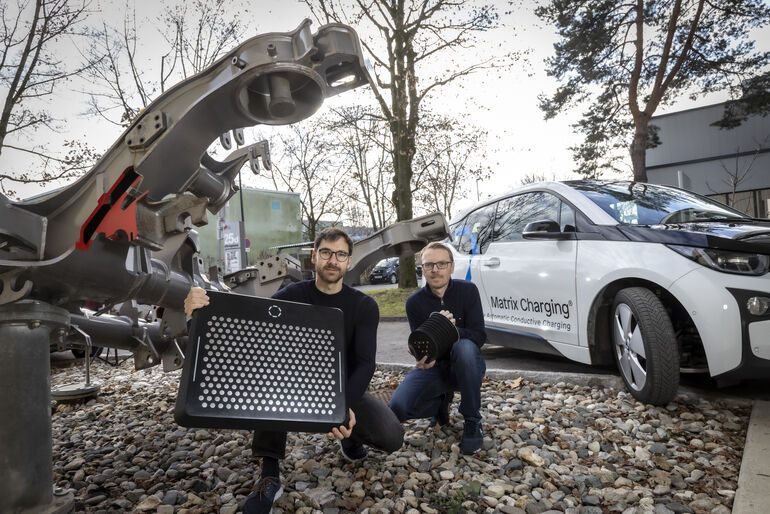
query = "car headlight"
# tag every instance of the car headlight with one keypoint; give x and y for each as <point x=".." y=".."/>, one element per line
<point x="726" y="261"/>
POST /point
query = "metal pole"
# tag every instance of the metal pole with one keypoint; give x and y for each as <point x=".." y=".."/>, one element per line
<point x="25" y="405"/>
<point x="240" y="192"/>
<point x="242" y="228"/>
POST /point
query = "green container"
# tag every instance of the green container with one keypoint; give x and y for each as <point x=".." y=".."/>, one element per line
<point x="271" y="218"/>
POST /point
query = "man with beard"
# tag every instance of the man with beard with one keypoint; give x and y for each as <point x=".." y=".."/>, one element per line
<point x="371" y="421"/>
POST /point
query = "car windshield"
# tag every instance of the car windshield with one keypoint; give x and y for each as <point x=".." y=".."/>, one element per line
<point x="384" y="263"/>
<point x="648" y="204"/>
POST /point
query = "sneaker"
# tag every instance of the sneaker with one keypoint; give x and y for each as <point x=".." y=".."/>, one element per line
<point x="352" y="451"/>
<point x="442" y="416"/>
<point x="473" y="437"/>
<point x="261" y="500"/>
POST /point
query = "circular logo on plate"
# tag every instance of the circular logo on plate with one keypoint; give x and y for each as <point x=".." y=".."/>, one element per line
<point x="274" y="311"/>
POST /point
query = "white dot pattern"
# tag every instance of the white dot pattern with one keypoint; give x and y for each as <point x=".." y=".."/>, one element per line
<point x="421" y="348"/>
<point x="268" y="369"/>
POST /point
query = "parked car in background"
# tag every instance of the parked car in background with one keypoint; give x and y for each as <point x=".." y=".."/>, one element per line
<point x="660" y="280"/>
<point x="385" y="271"/>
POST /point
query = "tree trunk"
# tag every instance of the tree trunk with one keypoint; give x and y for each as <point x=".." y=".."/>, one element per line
<point x="403" y="201"/>
<point x="404" y="110"/>
<point x="638" y="151"/>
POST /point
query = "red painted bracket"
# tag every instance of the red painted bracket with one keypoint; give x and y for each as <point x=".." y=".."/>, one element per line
<point x="115" y="212"/>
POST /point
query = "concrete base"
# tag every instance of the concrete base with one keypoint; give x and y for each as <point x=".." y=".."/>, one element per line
<point x="26" y="331"/>
<point x="61" y="504"/>
<point x="76" y="391"/>
<point x="754" y="479"/>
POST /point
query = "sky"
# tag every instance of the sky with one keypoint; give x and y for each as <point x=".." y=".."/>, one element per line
<point x="520" y="141"/>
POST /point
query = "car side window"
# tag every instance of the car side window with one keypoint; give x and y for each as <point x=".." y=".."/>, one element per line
<point x="476" y="234"/>
<point x="517" y="211"/>
<point x="567" y="218"/>
<point x="456" y="232"/>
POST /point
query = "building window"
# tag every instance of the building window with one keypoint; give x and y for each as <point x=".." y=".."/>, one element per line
<point x="744" y="201"/>
<point x="721" y="198"/>
<point x="754" y="203"/>
<point x="763" y="203"/>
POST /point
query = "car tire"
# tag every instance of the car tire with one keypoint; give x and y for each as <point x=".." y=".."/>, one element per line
<point x="394" y="279"/>
<point x="644" y="346"/>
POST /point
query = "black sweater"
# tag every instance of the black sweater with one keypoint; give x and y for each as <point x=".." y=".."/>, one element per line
<point x="461" y="298"/>
<point x="361" y="316"/>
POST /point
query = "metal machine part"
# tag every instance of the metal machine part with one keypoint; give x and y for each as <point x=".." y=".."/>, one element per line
<point x="400" y="239"/>
<point x="122" y="231"/>
<point x="157" y="180"/>
<point x="266" y="277"/>
<point x="79" y="390"/>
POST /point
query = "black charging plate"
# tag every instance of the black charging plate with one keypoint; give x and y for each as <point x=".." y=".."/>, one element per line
<point x="263" y="364"/>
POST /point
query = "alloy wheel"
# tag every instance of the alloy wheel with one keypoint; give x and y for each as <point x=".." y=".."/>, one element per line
<point x="628" y="342"/>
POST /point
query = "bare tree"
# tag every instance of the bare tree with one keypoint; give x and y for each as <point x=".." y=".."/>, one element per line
<point x="410" y="36"/>
<point x="451" y="157"/>
<point x="361" y="137"/>
<point x="196" y="35"/>
<point x="202" y="31"/>
<point x="739" y="172"/>
<point x="534" y="177"/>
<point x="31" y="37"/>
<point x="307" y="166"/>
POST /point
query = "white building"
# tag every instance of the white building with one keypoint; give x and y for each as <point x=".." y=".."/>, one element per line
<point x="732" y="166"/>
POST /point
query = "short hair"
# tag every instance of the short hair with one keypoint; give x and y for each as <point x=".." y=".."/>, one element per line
<point x="435" y="245"/>
<point x="332" y="234"/>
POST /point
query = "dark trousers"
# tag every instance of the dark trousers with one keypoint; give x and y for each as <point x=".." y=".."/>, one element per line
<point x="376" y="426"/>
<point x="420" y="394"/>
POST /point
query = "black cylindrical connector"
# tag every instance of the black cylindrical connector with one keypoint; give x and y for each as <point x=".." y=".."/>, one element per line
<point x="433" y="338"/>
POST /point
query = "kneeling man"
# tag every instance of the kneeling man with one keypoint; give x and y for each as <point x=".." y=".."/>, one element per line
<point x="428" y="390"/>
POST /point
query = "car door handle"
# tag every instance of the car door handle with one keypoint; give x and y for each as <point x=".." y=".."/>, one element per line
<point x="492" y="262"/>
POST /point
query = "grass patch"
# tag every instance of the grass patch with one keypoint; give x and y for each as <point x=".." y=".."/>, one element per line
<point x="453" y="504"/>
<point x="391" y="301"/>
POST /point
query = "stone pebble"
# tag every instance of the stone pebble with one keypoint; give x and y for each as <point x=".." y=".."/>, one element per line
<point x="548" y="448"/>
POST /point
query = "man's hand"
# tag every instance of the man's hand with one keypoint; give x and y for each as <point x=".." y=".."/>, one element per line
<point x="422" y="364"/>
<point x="195" y="299"/>
<point x="449" y="316"/>
<point x="343" y="432"/>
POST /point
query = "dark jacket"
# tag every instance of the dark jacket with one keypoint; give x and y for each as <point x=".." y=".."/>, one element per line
<point x="461" y="298"/>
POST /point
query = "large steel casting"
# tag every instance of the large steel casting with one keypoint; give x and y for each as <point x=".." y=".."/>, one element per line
<point x="76" y="263"/>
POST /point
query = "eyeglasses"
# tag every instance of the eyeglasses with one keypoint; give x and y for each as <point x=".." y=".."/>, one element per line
<point x="436" y="265"/>
<point x="326" y="254"/>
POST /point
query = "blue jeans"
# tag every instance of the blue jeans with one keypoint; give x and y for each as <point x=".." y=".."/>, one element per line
<point x="420" y="394"/>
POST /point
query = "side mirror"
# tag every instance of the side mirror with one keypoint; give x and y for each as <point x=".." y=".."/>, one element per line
<point x="545" y="229"/>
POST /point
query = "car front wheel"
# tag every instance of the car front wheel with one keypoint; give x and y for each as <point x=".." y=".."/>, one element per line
<point x="393" y="279"/>
<point x="644" y="346"/>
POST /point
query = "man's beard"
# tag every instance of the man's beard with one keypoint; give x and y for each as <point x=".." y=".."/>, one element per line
<point x="330" y="275"/>
<point x="437" y="281"/>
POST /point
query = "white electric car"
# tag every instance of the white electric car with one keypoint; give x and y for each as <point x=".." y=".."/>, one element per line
<point x="661" y="280"/>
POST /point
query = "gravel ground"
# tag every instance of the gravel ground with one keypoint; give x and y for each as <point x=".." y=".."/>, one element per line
<point x="549" y="448"/>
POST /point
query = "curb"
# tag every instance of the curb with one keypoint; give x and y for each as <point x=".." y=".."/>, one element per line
<point x="587" y="380"/>
<point x="754" y="478"/>
<point x="611" y="381"/>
